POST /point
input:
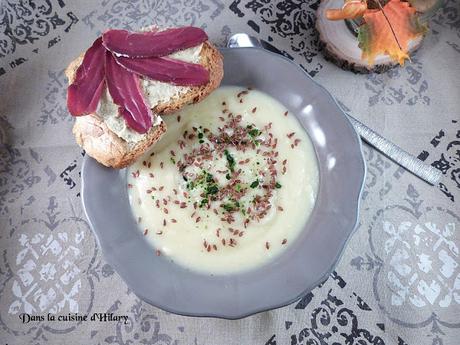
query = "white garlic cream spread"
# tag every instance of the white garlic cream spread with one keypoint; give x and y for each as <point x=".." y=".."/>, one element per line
<point x="155" y="92"/>
<point x="229" y="186"/>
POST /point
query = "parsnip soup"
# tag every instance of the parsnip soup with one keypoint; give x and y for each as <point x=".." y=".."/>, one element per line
<point x="229" y="186"/>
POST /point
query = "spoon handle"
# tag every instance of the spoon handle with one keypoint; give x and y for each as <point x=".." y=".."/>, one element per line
<point x="398" y="155"/>
<point x="395" y="153"/>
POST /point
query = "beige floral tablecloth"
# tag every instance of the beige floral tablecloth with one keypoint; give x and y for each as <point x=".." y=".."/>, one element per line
<point x="398" y="281"/>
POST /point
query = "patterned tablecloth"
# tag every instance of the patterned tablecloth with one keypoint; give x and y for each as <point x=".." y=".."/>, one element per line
<point x="398" y="281"/>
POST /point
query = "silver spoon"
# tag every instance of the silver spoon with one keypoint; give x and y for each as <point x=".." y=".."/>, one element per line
<point x="395" y="153"/>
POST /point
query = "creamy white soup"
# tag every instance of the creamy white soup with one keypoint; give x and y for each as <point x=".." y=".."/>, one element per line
<point x="229" y="186"/>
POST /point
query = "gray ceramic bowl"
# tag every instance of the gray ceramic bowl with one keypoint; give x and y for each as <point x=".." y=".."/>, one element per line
<point x="305" y="263"/>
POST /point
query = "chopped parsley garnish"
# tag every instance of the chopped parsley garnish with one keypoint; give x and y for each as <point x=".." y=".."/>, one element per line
<point x="207" y="183"/>
<point x="212" y="189"/>
<point x="278" y="185"/>
<point x="209" y="177"/>
<point x="228" y="177"/>
<point x="228" y="207"/>
<point x="231" y="206"/>
<point x="230" y="160"/>
<point x="254" y="184"/>
<point x="254" y="133"/>
<point x="173" y="161"/>
<point x="200" y="135"/>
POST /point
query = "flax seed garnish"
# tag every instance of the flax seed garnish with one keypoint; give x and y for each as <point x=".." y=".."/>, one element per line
<point x="290" y="135"/>
<point x="130" y="185"/>
<point x="136" y="174"/>
<point x="254" y="110"/>
<point x="152" y="154"/>
<point x="241" y="100"/>
<point x="178" y="118"/>
<point x="161" y="165"/>
<point x="146" y="231"/>
<point x="151" y="175"/>
<point x="165" y="210"/>
<point x="197" y="219"/>
<point x="218" y="232"/>
<point x="267" y="245"/>
<point x="164" y="222"/>
<point x="214" y="247"/>
<point x="183" y="205"/>
<point x="144" y="163"/>
<point x="161" y="188"/>
<point x="285" y="113"/>
<point x="159" y="232"/>
<point x="284" y="241"/>
<point x="241" y="234"/>
<point x="280" y="208"/>
<point x="296" y="142"/>
<point x="158" y="252"/>
<point x="209" y="248"/>
<point x="149" y="165"/>
<point x="173" y="220"/>
<point x="223" y="241"/>
<point x="224" y="200"/>
<point x="292" y="146"/>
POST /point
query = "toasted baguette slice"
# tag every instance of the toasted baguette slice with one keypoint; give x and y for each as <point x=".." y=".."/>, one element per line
<point x="99" y="142"/>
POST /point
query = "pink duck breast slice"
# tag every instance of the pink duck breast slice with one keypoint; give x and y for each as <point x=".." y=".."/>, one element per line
<point x="84" y="93"/>
<point x="167" y="70"/>
<point x="124" y="87"/>
<point x="152" y="43"/>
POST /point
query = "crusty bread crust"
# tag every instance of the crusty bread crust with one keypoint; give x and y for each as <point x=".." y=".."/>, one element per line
<point x="99" y="142"/>
<point x="106" y="147"/>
